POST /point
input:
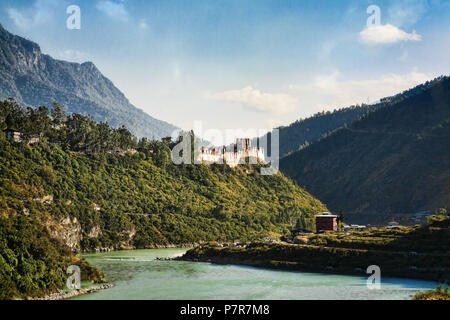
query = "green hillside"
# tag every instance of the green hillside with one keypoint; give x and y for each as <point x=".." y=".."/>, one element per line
<point x="93" y="187"/>
<point x="396" y="160"/>
<point x="32" y="263"/>
<point x="303" y="132"/>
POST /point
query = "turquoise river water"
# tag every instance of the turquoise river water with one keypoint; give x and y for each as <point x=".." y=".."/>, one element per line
<point x="137" y="274"/>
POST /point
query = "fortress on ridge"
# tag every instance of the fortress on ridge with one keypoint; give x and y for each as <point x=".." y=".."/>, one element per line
<point x="234" y="154"/>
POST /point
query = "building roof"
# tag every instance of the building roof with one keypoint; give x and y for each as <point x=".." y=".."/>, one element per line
<point x="326" y="215"/>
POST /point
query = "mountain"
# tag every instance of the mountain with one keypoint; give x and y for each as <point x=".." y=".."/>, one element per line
<point x="36" y="79"/>
<point x="393" y="161"/>
<point x="303" y="132"/>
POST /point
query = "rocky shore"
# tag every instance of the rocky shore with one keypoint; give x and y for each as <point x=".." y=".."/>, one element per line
<point x="156" y="246"/>
<point x="62" y="295"/>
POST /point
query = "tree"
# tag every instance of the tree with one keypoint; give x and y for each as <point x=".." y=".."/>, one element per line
<point x="125" y="138"/>
<point x="300" y="225"/>
<point x="143" y="144"/>
<point x="104" y="135"/>
<point x="12" y="114"/>
<point x="340" y="220"/>
<point x="58" y="114"/>
<point x="341" y="216"/>
<point x="79" y="127"/>
<point x="38" y="122"/>
<point x="441" y="211"/>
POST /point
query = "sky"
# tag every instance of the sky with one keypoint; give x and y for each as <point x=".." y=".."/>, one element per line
<point x="245" y="64"/>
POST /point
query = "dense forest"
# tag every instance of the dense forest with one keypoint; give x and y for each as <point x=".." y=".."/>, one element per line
<point x="32" y="263"/>
<point x="90" y="186"/>
<point x="303" y="132"/>
<point x="393" y="161"/>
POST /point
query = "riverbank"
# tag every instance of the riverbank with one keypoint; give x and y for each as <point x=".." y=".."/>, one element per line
<point x="326" y="260"/>
<point x="63" y="295"/>
<point x="155" y="246"/>
<point x="420" y="252"/>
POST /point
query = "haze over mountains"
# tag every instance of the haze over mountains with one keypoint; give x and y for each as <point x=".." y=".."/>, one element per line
<point x="34" y="79"/>
<point x="394" y="161"/>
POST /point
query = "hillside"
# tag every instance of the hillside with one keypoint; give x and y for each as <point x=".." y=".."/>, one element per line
<point x="36" y="79"/>
<point x="303" y="132"/>
<point x="92" y="187"/>
<point x="32" y="263"/>
<point x="394" y="161"/>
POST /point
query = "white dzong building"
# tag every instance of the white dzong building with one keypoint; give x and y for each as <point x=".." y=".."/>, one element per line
<point x="237" y="155"/>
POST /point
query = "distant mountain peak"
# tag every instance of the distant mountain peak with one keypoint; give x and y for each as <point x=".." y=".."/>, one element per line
<point x="36" y="79"/>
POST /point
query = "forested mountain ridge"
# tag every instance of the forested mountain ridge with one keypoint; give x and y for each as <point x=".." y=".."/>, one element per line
<point x="36" y="79"/>
<point x="393" y="161"/>
<point x="303" y="132"/>
<point x="91" y="187"/>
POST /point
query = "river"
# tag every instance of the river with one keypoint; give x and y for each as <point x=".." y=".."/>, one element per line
<point x="136" y="274"/>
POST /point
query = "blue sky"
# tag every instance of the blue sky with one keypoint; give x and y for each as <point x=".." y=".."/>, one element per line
<point x="244" y="63"/>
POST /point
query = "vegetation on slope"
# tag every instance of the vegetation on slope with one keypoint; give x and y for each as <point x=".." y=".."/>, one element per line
<point x="90" y="186"/>
<point x="31" y="262"/>
<point x="303" y="132"/>
<point x="393" y="161"/>
<point x="429" y="238"/>
<point x="439" y="294"/>
<point x="139" y="198"/>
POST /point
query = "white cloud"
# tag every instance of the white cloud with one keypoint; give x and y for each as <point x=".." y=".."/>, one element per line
<point x="330" y="91"/>
<point x="40" y="12"/>
<point x="256" y="100"/>
<point x="387" y="34"/>
<point x="18" y="18"/>
<point x="115" y="10"/>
